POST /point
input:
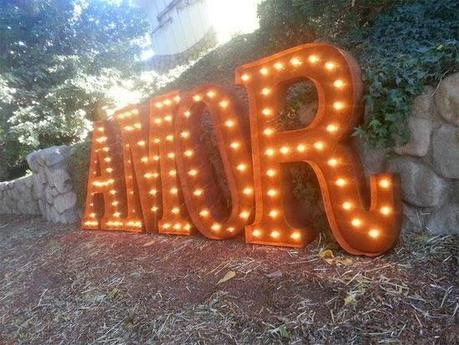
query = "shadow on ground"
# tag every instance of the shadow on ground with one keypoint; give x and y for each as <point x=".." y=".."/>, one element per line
<point x="60" y="285"/>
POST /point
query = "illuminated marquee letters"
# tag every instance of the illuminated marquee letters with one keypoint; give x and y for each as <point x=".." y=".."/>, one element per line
<point x="164" y="181"/>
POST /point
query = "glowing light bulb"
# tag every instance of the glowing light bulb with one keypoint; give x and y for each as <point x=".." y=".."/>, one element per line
<point x="330" y="66"/>
<point x="171" y="155"/>
<point x="332" y="128"/>
<point x="265" y="91"/>
<point x="339" y="84"/>
<point x="301" y="148"/>
<point x="156" y="158"/>
<point x="269" y="152"/>
<point x="264" y="71"/>
<point x="272" y="192"/>
<point x="204" y="213"/>
<point x="295" y="235"/>
<point x="170" y="137"/>
<point x="188" y="153"/>
<point x="247" y="191"/>
<point x="267" y="112"/>
<point x="175" y="210"/>
<point x="109" y="170"/>
<point x="235" y="145"/>
<point x="338" y="105"/>
<point x="168" y="118"/>
<point x="216" y="227"/>
<point x="256" y="233"/>
<point x="148" y="175"/>
<point x="385" y="210"/>
<point x="144" y="159"/>
<point x="198" y="192"/>
<point x="278" y="65"/>
<point x="271" y="172"/>
<point x="153" y="191"/>
<point x="177" y="99"/>
<point x="384" y="183"/>
<point x="230" y="229"/>
<point x="284" y="150"/>
<point x="174" y="190"/>
<point x="340" y="182"/>
<point x="154" y="209"/>
<point x="356" y="222"/>
<point x="172" y="172"/>
<point x="268" y="131"/>
<point x="295" y="61"/>
<point x="273" y="213"/>
<point x="211" y="94"/>
<point x="374" y="233"/>
<point x="166" y="225"/>
<point x="275" y="234"/>
<point x="197" y="98"/>
<point x="313" y="59"/>
<point x="223" y="104"/>
<point x="245" y="77"/>
<point x="187" y="114"/>
<point x="158" y="105"/>
<point x="244" y="214"/>
<point x="229" y="123"/>
<point x="318" y="145"/>
<point x="185" y="134"/>
<point x="158" y="121"/>
<point x="193" y="172"/>
<point x="241" y="167"/>
<point x="332" y="162"/>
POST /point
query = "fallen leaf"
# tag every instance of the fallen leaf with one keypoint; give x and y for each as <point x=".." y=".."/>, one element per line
<point x="326" y="254"/>
<point x="229" y="275"/>
<point x="149" y="243"/>
<point x="349" y="299"/>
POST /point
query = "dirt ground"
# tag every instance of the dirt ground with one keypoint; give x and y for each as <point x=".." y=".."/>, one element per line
<point x="60" y="285"/>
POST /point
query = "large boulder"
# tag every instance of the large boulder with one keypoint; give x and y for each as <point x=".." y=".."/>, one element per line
<point x="419" y="125"/>
<point x="445" y="220"/>
<point x="372" y="158"/>
<point x="445" y="143"/>
<point x="420" y="185"/>
<point x="447" y="99"/>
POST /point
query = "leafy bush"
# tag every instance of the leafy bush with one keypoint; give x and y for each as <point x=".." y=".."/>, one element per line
<point x="78" y="169"/>
<point x="404" y="49"/>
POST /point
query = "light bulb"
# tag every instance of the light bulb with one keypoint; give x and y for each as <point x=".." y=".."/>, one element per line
<point x="332" y="128"/>
<point x="278" y="65"/>
<point x="211" y="94"/>
<point x="234" y="145"/>
<point x="265" y="91"/>
<point x="266" y="112"/>
<point x="313" y="59"/>
<point x="384" y="183"/>
<point x="264" y="71"/>
<point x="229" y="123"/>
<point x="338" y="105"/>
<point x="340" y="182"/>
<point x="318" y="145"/>
<point x="385" y="210"/>
<point x="272" y="192"/>
<point x="330" y="66"/>
<point x="374" y="233"/>
<point x="356" y="222"/>
<point x="269" y="152"/>
<point x="256" y="233"/>
<point x="339" y="84"/>
<point x="295" y="61"/>
<point x="247" y="191"/>
<point x="275" y="234"/>
<point x="284" y="150"/>
<point x="271" y="172"/>
<point x="347" y="205"/>
<point x="301" y="148"/>
<point x="245" y="77"/>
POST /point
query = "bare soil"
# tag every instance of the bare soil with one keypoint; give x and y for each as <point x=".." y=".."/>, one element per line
<point x="61" y="285"/>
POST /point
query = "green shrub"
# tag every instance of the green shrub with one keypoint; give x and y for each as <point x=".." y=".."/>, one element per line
<point x="78" y="169"/>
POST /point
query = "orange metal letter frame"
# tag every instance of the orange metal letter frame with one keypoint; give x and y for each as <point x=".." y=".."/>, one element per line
<point x="152" y="173"/>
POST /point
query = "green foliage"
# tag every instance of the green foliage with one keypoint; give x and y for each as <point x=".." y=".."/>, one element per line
<point x="404" y="49"/>
<point x="78" y="168"/>
<point x="58" y="58"/>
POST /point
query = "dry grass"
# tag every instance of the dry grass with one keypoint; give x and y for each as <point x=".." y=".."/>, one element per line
<point x="59" y="285"/>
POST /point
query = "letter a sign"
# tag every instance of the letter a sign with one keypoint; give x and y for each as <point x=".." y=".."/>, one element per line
<point x="150" y="172"/>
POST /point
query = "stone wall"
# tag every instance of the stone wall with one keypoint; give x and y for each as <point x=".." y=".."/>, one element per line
<point x="52" y="184"/>
<point x="429" y="163"/>
<point x="18" y="197"/>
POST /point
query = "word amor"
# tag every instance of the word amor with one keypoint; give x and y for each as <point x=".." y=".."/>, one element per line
<point x="161" y="179"/>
